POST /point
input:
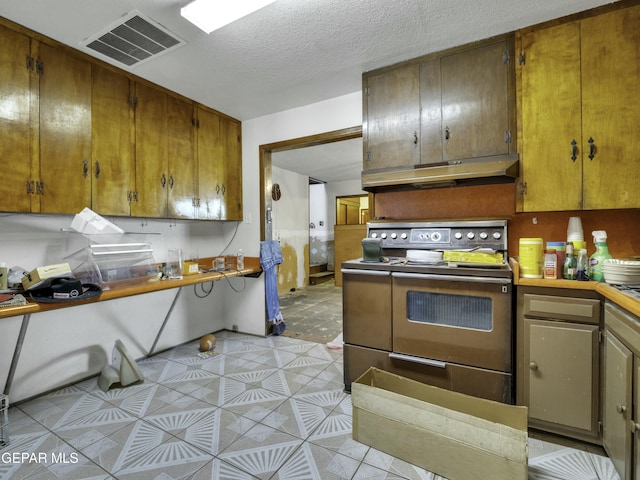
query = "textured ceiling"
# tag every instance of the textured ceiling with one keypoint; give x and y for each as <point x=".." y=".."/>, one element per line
<point x="292" y="52"/>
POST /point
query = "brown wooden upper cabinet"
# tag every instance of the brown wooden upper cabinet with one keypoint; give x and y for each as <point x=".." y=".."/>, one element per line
<point x="45" y="129"/>
<point x="453" y="105"/>
<point x="15" y="120"/>
<point x="77" y="133"/>
<point x="579" y="141"/>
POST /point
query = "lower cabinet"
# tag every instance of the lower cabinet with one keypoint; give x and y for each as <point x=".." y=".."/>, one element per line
<point x="621" y="412"/>
<point x="559" y="365"/>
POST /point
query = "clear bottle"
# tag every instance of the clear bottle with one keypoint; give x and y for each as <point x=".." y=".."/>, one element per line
<point x="582" y="273"/>
<point x="570" y="266"/>
<point x="240" y="259"/>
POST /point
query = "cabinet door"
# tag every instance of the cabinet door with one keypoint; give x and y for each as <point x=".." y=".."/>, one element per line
<point x="563" y="373"/>
<point x="475" y="102"/>
<point x="551" y="119"/>
<point x="15" y="104"/>
<point x="391" y="126"/>
<point x="231" y="170"/>
<point x="366" y="306"/>
<point x="112" y="142"/>
<point x="431" y="131"/>
<point x="65" y="132"/>
<point x="182" y="180"/>
<point x="617" y="403"/>
<point x="611" y="111"/>
<point x="209" y="159"/>
<point x="151" y="153"/>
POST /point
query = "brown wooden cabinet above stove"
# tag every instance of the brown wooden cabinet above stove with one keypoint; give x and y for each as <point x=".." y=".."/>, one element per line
<point x="441" y="109"/>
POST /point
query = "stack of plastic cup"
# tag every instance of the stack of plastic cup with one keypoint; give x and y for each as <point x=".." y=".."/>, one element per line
<point x="575" y="234"/>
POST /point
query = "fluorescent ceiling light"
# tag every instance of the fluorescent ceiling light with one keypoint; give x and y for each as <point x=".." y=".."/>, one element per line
<point x="209" y="15"/>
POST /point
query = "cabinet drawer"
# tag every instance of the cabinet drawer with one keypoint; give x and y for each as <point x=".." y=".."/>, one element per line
<point x="562" y="308"/>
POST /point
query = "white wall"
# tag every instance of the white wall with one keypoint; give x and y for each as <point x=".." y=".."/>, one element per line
<point x="64" y="345"/>
<point x="291" y="222"/>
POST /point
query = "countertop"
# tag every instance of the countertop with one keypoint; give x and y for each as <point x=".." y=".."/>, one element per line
<point x="607" y="291"/>
<point x="136" y="287"/>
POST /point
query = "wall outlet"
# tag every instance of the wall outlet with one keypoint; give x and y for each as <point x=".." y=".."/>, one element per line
<point x="234" y="328"/>
<point x="247" y="218"/>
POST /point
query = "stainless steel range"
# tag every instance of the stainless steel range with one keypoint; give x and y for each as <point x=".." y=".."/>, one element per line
<point x="435" y="306"/>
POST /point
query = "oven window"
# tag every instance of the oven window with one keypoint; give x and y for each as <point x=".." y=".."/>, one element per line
<point x="462" y="311"/>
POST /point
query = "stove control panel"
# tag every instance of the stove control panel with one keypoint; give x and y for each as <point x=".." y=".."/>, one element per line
<point x="451" y="237"/>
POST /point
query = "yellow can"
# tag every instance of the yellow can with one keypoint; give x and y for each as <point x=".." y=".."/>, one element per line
<point x="530" y="257"/>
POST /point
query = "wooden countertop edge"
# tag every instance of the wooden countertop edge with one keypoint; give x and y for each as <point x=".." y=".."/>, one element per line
<point x="604" y="289"/>
<point x="133" y="287"/>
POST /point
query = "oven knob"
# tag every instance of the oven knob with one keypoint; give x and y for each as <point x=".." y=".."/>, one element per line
<point x="383" y="236"/>
<point x="458" y="235"/>
<point x="471" y="235"/>
<point x="497" y="235"/>
<point x="403" y="236"/>
<point x="436" y="236"/>
<point x="394" y="236"/>
<point x="374" y="235"/>
<point x="484" y="235"/>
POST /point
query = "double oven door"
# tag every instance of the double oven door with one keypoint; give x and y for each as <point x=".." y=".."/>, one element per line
<point x="465" y="320"/>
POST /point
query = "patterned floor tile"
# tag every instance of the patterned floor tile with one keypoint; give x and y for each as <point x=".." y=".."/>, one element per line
<point x="174" y="459"/>
<point x="217" y="430"/>
<point x="316" y="463"/>
<point x="180" y="415"/>
<point x="117" y="451"/>
<point x="255" y="403"/>
<point x="570" y="464"/>
<point x="261" y="451"/>
<point x="217" y="469"/>
<point x="396" y="466"/>
<point x="335" y="434"/>
<point x="284" y="382"/>
<point x="296" y="417"/>
<point x="220" y="391"/>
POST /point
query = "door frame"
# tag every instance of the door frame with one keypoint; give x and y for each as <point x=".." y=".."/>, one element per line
<point x="266" y="150"/>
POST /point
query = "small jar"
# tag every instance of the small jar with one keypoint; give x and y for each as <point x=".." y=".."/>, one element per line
<point x="550" y="264"/>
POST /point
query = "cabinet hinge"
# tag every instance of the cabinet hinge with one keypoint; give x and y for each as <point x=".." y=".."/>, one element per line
<point x="132" y="100"/>
<point x="368" y="156"/>
<point x="507" y="136"/>
<point x="366" y="91"/>
<point x="600" y="336"/>
<point x="522" y="58"/>
<point x="599" y="427"/>
<point x="506" y="57"/>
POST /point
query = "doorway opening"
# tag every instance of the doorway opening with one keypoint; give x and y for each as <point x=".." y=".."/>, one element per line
<point x="275" y="199"/>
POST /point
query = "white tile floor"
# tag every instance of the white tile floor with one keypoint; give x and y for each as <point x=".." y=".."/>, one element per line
<point x="262" y="408"/>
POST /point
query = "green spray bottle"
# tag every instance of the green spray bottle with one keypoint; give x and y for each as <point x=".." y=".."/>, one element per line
<point x="599" y="256"/>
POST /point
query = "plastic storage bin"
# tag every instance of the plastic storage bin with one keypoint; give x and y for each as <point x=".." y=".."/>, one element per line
<point x="105" y="259"/>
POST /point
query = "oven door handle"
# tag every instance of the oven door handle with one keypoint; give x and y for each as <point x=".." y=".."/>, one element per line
<point x="355" y="271"/>
<point x="452" y="278"/>
<point x="420" y="360"/>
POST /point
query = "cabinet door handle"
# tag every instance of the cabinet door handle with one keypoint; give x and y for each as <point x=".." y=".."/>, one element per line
<point x="97" y="169"/>
<point x="574" y="150"/>
<point x="533" y="366"/>
<point x="85" y="168"/>
<point x="621" y="409"/>
<point x="592" y="148"/>
<point x="171" y="182"/>
<point x="415" y="138"/>
<point x="447" y="133"/>
<point x="163" y="180"/>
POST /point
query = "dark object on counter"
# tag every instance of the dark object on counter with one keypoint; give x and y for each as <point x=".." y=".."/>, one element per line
<point x="65" y="289"/>
<point x="371" y="249"/>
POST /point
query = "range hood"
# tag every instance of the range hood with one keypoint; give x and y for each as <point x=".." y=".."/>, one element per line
<point x="476" y="171"/>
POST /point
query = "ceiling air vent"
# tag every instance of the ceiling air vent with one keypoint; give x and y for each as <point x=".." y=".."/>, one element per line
<point x="133" y="39"/>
